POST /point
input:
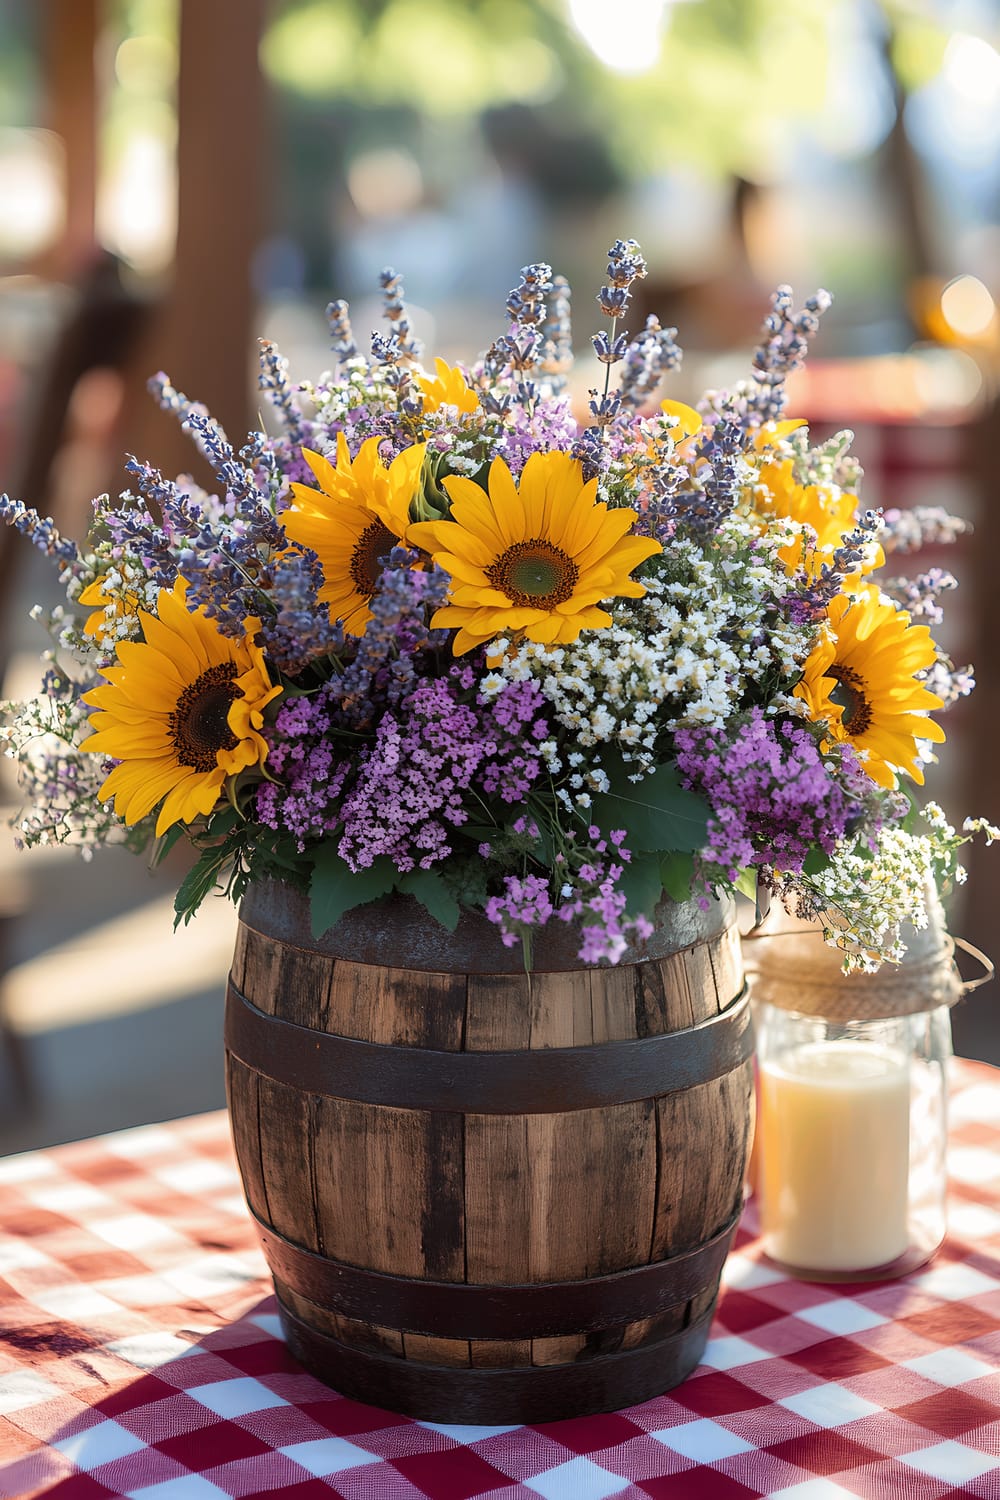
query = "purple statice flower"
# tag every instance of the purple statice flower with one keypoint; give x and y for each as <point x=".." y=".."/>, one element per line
<point x="524" y="906"/>
<point x="774" y="796"/>
<point x="551" y="426"/>
<point x="588" y="896"/>
<point x="431" y="758"/>
<point x="312" y="769"/>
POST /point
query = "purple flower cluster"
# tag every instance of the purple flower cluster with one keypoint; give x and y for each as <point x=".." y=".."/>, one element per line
<point x="774" y="797"/>
<point x="430" y="759"/>
<point x="589" y="897"/>
<point x="433" y="753"/>
<point x="305" y="801"/>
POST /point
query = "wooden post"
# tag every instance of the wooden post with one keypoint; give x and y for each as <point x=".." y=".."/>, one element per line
<point x="203" y="334"/>
<point x="69" y="38"/>
<point x="974" y="1021"/>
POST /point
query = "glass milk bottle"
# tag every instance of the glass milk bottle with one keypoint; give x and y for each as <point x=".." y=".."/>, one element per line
<point x="852" y="1091"/>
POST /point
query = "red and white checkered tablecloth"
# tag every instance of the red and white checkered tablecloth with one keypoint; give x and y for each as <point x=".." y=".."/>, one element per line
<point x="141" y="1357"/>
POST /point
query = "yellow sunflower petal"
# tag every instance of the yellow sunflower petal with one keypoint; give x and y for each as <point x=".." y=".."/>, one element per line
<point x="687" y="420"/>
<point x="860" y="681"/>
<point x="533" y="556"/>
<point x="162" y="713"/>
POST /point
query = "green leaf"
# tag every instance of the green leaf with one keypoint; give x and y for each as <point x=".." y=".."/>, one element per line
<point x="336" y="888"/>
<point x="432" y="893"/>
<point x="163" y="845"/>
<point x="815" y="862"/>
<point x="657" y="813"/>
<point x="202" y="878"/>
<point x="676" y="874"/>
<point x="746" y="884"/>
<point x="641" y="884"/>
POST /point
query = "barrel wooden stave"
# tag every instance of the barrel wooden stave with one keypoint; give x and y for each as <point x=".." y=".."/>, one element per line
<point x="488" y="1198"/>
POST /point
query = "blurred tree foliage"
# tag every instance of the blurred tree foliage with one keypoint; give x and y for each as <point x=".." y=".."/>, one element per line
<point x="730" y="73"/>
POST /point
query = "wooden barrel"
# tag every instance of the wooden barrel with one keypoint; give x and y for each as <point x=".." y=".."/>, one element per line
<point x="487" y="1195"/>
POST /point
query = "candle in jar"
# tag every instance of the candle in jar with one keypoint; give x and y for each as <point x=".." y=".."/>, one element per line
<point x="834" y="1167"/>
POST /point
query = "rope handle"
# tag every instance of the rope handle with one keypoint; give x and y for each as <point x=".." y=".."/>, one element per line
<point x="968" y="985"/>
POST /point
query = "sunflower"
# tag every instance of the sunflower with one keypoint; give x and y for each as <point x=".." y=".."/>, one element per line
<point x="358" y="514"/>
<point x="829" y="511"/>
<point x="860" y="680"/>
<point x="180" y="713"/>
<point x="447" y="388"/>
<point x="535" y="557"/>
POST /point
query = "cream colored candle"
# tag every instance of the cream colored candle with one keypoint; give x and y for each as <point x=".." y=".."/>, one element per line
<point x="834" y="1167"/>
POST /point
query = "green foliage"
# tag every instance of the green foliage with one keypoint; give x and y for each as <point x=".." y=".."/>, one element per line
<point x="432" y="893"/>
<point x="336" y="888"/>
<point x="222" y="864"/>
<point x="657" y="813"/>
<point x="642" y="884"/>
<point x="677" y="873"/>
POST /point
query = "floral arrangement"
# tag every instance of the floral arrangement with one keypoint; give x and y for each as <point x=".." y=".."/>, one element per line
<point x="439" y="635"/>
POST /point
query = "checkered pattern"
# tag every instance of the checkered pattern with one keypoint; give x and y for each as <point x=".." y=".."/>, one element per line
<point x="141" y="1357"/>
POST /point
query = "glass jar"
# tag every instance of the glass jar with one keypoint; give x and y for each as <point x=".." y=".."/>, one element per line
<point x="852" y="1121"/>
<point x="850" y="1165"/>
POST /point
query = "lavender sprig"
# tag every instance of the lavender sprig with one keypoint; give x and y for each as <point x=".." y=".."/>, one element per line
<point x="647" y="359"/>
<point x="273" y="380"/>
<point x="40" y="531"/>
<point x="391" y="283"/>
<point x="341" y="334"/>
<point x="786" y="335"/>
<point x="208" y="434"/>
<point x="701" y="508"/>
<point x="625" y="266"/>
<point x="557" y="336"/>
<point x="923" y="526"/>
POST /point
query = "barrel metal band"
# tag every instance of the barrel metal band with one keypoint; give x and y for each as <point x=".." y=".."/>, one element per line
<point x="550" y="1080"/>
<point x="446" y="1309"/>
<point x="530" y="1393"/>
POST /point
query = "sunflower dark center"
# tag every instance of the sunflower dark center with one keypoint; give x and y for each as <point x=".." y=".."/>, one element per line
<point x="199" y="725"/>
<point x="850" y="694"/>
<point x="534" y="574"/>
<point x="374" y="542"/>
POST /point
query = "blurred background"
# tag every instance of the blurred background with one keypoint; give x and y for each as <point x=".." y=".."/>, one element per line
<point x="179" y="177"/>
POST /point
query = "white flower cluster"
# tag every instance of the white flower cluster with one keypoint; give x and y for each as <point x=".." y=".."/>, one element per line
<point x="128" y="588"/>
<point x="60" y="783"/>
<point x="693" y="652"/>
<point x="868" y="895"/>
